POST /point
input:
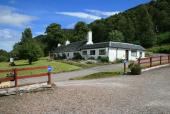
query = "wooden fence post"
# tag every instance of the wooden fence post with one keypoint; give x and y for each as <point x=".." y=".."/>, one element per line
<point x="139" y="61"/>
<point x="160" y="60"/>
<point x="15" y="77"/>
<point x="49" y="78"/>
<point x="150" y="61"/>
<point x="169" y="58"/>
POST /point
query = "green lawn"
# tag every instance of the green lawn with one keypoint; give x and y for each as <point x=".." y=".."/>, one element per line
<point x="98" y="75"/>
<point x="57" y="66"/>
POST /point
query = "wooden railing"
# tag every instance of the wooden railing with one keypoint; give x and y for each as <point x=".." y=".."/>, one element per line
<point x="15" y="76"/>
<point x="154" y="61"/>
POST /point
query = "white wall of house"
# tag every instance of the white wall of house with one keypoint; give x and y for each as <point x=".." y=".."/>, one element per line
<point x="112" y="53"/>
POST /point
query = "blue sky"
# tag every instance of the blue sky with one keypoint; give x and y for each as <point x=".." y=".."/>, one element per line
<point x="16" y="15"/>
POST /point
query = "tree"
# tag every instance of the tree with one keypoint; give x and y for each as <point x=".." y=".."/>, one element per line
<point x="81" y="29"/>
<point x="146" y="31"/>
<point x="4" y="56"/>
<point x="116" y="36"/>
<point x="54" y="36"/>
<point x="28" y="48"/>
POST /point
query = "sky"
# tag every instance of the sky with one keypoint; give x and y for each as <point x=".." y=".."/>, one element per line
<point x="16" y="15"/>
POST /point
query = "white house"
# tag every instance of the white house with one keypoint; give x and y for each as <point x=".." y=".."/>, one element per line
<point x="112" y="50"/>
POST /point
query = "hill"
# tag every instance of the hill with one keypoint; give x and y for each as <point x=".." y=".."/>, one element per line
<point x="147" y="25"/>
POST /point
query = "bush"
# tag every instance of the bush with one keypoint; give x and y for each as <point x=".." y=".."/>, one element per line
<point x="119" y="61"/>
<point x="3" y="59"/>
<point x="91" y="58"/>
<point x="103" y="59"/>
<point x="135" y="69"/>
<point x="160" y="49"/>
<point x="77" y="56"/>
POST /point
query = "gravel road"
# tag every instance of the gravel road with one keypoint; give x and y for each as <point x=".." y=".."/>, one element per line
<point x="148" y="93"/>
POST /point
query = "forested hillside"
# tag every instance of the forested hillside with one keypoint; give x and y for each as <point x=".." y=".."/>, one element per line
<point x="146" y="24"/>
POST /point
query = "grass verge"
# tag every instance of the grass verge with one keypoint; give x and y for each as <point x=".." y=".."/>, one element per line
<point x="98" y="75"/>
<point x="57" y="67"/>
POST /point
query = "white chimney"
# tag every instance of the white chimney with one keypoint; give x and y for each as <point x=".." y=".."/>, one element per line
<point x="89" y="38"/>
<point x="59" y="45"/>
<point x="67" y="42"/>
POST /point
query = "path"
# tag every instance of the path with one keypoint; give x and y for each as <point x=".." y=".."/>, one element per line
<point x="79" y="73"/>
<point x="148" y="93"/>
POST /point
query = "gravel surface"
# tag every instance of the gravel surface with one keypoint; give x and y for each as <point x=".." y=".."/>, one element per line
<point x="148" y="93"/>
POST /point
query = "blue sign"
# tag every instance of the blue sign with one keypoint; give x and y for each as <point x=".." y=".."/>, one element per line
<point x="125" y="61"/>
<point x="50" y="68"/>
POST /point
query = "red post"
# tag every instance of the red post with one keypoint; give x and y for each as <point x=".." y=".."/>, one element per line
<point x="150" y="61"/>
<point x="15" y="77"/>
<point x="160" y="60"/>
<point x="49" y="78"/>
<point x="139" y="61"/>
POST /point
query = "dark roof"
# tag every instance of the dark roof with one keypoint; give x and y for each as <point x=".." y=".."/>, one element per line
<point x="75" y="46"/>
<point x="113" y="45"/>
<point x="81" y="45"/>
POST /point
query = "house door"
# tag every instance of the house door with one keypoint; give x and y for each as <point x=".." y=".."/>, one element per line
<point x="127" y="55"/>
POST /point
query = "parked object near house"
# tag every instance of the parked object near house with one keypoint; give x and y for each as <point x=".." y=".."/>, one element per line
<point x="113" y="50"/>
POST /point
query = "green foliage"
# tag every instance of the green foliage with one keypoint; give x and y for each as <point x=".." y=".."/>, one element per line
<point x="160" y="49"/>
<point x="163" y="38"/>
<point x="81" y="29"/>
<point x="103" y="59"/>
<point x="135" y="69"/>
<point x="28" y="48"/>
<point x="77" y="56"/>
<point x="4" y="56"/>
<point x="116" y="36"/>
<point x="98" y="75"/>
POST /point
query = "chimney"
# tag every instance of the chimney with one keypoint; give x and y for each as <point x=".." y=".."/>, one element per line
<point x="67" y="42"/>
<point x="59" y="45"/>
<point x="89" y="38"/>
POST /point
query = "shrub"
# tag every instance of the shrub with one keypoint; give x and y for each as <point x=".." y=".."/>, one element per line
<point x="103" y="59"/>
<point x="135" y="69"/>
<point x="118" y="61"/>
<point x="77" y="56"/>
<point x="91" y="58"/>
<point x="3" y="59"/>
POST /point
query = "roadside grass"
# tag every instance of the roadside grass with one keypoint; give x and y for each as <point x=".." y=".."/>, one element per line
<point x="98" y="75"/>
<point x="57" y="66"/>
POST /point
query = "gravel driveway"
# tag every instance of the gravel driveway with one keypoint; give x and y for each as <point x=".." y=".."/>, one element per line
<point x="148" y="93"/>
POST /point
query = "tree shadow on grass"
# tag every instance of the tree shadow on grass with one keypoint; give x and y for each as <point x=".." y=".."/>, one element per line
<point x="23" y="64"/>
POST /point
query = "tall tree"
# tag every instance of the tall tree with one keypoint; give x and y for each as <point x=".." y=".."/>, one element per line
<point x="81" y="29"/>
<point x="54" y="36"/>
<point x="146" y="31"/>
<point x="116" y="36"/>
<point x="28" y="48"/>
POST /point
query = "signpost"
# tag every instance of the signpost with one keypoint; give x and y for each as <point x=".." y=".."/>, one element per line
<point x="50" y="68"/>
<point x="125" y="63"/>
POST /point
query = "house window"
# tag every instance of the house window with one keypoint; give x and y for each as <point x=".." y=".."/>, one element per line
<point x="92" y="52"/>
<point x="134" y="53"/>
<point x="67" y="54"/>
<point x="102" y="52"/>
<point x="84" y="52"/>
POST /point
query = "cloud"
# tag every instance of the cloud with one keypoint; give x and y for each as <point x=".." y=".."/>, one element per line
<point x="9" y="16"/>
<point x="102" y="13"/>
<point x="80" y="15"/>
<point x="8" y="38"/>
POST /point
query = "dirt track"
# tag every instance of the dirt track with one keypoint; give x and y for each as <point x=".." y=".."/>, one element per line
<point x="145" y="94"/>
